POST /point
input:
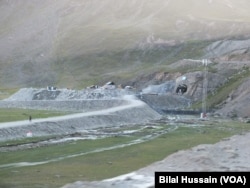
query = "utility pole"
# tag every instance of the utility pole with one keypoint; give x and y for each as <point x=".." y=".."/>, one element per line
<point x="204" y="86"/>
<point x="204" y="89"/>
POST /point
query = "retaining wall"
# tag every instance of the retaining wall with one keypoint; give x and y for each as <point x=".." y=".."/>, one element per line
<point x="135" y="115"/>
<point x="66" y="105"/>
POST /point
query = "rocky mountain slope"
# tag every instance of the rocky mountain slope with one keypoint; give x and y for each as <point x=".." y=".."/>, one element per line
<point x="73" y="44"/>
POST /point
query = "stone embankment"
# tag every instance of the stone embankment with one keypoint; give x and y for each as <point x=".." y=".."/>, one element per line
<point x="90" y="114"/>
<point x="167" y="103"/>
<point x="64" y="105"/>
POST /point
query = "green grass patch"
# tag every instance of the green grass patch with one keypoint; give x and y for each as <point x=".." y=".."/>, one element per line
<point x="7" y="92"/>
<point x="61" y="150"/>
<point x="16" y="114"/>
<point x="110" y="163"/>
<point x="123" y="65"/>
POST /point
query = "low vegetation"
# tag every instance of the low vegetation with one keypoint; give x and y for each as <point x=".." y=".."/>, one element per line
<point x="16" y="114"/>
<point x="6" y="92"/>
<point x="125" y="65"/>
<point x="89" y="160"/>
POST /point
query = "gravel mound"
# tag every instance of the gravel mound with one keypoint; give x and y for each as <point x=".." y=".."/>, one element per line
<point x="27" y="94"/>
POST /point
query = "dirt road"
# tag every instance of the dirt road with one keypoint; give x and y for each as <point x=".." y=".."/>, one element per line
<point x="132" y="102"/>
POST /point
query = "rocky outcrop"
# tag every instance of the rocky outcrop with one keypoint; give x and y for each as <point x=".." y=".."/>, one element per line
<point x="238" y="102"/>
<point x="229" y="50"/>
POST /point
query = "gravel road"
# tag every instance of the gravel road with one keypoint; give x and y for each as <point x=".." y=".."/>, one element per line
<point x="131" y="103"/>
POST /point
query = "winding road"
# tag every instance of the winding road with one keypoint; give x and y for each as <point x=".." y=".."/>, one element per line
<point x="131" y="102"/>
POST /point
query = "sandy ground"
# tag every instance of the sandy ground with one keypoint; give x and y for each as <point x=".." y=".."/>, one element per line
<point x="232" y="154"/>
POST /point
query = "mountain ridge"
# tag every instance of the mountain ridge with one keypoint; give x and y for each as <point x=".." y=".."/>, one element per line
<point x="49" y="42"/>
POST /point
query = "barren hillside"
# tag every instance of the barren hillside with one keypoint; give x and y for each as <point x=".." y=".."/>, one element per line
<point x="73" y="43"/>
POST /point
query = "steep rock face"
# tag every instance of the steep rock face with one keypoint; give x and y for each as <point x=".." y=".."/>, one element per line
<point x="232" y="58"/>
<point x="238" y="102"/>
<point x="195" y="81"/>
<point x="221" y="75"/>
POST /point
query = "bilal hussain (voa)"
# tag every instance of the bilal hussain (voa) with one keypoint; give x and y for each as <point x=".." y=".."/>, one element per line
<point x="168" y="179"/>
